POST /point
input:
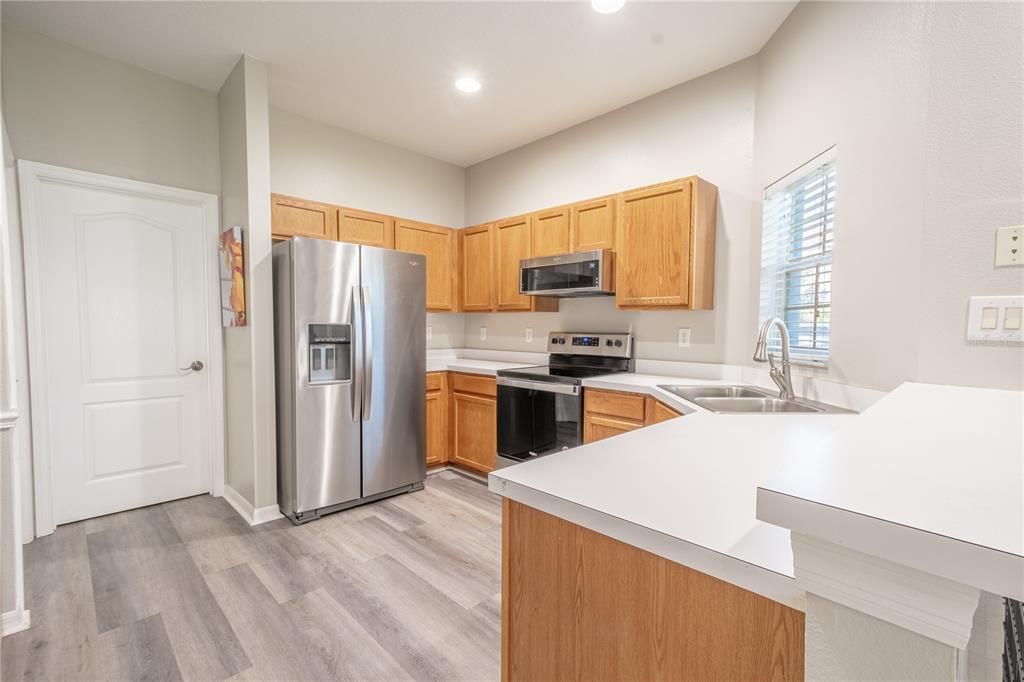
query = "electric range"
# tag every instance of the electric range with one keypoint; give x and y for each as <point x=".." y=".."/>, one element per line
<point x="540" y="409"/>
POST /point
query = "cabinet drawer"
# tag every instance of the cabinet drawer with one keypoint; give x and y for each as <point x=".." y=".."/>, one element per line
<point x="615" y="404"/>
<point x="474" y="383"/>
<point x="435" y="381"/>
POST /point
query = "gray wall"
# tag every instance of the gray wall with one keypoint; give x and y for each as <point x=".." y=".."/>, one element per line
<point x="250" y="423"/>
<point x="69" y="107"/>
<point x="316" y="161"/>
<point x="702" y="127"/>
<point x="924" y="102"/>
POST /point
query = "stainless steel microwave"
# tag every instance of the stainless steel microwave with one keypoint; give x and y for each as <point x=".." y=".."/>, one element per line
<point x="587" y="273"/>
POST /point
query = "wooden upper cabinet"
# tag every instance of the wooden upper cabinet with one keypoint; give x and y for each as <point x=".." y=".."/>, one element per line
<point x="592" y="224"/>
<point x="512" y="243"/>
<point x="550" y="231"/>
<point x="361" y="227"/>
<point x="291" y="217"/>
<point x="665" y="251"/>
<point x="439" y="246"/>
<point x="476" y="277"/>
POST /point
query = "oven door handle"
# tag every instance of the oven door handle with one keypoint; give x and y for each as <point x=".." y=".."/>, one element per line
<point x="544" y="386"/>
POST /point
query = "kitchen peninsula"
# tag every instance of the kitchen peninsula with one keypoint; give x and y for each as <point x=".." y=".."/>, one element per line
<point x="668" y="516"/>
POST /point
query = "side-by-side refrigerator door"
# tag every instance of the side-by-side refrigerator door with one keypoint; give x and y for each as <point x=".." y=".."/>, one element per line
<point x="394" y="405"/>
<point x="327" y="413"/>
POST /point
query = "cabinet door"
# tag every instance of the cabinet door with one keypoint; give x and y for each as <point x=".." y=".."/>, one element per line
<point x="653" y="253"/>
<point x="597" y="428"/>
<point x="437" y="418"/>
<point x="291" y="217"/>
<point x="474" y="431"/>
<point x="593" y="224"/>
<point x="438" y="245"/>
<point x="551" y="232"/>
<point x="658" y="412"/>
<point x="477" y="279"/>
<point x="360" y="227"/>
<point x="512" y="244"/>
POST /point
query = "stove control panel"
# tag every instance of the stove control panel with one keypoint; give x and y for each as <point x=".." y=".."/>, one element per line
<point x="579" y="343"/>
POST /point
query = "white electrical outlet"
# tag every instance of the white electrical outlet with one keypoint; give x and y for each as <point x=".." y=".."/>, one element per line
<point x="684" y="337"/>
<point x="529" y="335"/>
<point x="1010" y="246"/>
<point x="483" y="333"/>
<point x="430" y="332"/>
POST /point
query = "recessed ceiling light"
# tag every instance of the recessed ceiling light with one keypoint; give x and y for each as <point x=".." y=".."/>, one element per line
<point x="607" y="6"/>
<point x="468" y="84"/>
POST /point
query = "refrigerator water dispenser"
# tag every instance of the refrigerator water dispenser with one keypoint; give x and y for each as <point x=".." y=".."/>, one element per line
<point x="330" y="353"/>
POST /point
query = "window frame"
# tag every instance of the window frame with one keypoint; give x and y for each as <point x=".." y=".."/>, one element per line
<point x="774" y="298"/>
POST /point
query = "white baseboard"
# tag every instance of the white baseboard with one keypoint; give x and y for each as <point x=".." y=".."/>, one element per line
<point x="253" y="517"/>
<point x="15" y="621"/>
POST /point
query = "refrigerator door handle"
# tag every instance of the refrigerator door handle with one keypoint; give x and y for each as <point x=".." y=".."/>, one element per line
<point x="357" y="353"/>
<point x="367" y="353"/>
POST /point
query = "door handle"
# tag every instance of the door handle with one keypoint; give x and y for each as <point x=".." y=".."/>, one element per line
<point x="196" y="366"/>
<point x="367" y="354"/>
<point x="357" y="354"/>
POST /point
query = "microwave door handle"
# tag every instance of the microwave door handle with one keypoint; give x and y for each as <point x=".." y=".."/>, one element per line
<point x="357" y="355"/>
<point x="367" y="354"/>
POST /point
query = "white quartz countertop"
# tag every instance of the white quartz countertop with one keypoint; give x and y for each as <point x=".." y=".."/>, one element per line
<point x="688" y="489"/>
<point x="469" y="366"/>
<point x="931" y="477"/>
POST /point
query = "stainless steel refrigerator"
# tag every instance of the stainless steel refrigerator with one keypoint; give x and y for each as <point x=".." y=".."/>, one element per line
<point x="350" y="351"/>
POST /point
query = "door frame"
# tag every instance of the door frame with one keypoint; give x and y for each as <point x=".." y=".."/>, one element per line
<point x="30" y="175"/>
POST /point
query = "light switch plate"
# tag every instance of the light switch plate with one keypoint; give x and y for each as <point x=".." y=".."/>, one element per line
<point x="684" y="337"/>
<point x="529" y="335"/>
<point x="1010" y="246"/>
<point x="980" y="314"/>
<point x="483" y="333"/>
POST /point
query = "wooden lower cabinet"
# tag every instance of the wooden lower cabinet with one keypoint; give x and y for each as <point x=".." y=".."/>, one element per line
<point x="474" y="422"/>
<point x="609" y="413"/>
<point x="656" y="412"/>
<point x="597" y="427"/>
<point x="578" y="605"/>
<point x="437" y="418"/>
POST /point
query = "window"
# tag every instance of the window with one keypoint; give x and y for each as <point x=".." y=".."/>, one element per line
<point x="796" y="257"/>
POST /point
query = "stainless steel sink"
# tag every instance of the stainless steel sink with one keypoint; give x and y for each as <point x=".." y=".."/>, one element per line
<point x="754" y="405"/>
<point x="748" y="400"/>
<point x="696" y="392"/>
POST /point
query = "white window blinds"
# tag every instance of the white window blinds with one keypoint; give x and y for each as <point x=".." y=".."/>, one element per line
<point x="796" y="257"/>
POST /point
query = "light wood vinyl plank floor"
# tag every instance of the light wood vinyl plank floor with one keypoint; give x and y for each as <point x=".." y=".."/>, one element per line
<point x="403" y="589"/>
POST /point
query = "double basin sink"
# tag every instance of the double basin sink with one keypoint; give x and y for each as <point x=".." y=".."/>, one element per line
<point x="748" y="400"/>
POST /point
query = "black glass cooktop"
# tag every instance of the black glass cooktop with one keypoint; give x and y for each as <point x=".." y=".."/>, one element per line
<point x="568" y="374"/>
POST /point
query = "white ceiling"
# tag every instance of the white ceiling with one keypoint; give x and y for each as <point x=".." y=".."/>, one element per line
<point x="385" y="69"/>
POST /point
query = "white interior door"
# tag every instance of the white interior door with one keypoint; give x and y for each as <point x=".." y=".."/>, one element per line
<point x="119" y="282"/>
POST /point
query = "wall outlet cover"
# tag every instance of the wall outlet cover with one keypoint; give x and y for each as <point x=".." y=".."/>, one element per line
<point x="430" y="332"/>
<point x="483" y="333"/>
<point x="529" y="335"/>
<point x="684" y="337"/>
<point x="1010" y="246"/>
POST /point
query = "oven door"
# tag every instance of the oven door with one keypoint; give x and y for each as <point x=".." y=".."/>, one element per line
<point x="536" y="418"/>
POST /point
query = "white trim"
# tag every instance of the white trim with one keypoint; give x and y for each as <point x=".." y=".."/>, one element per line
<point x="30" y="173"/>
<point x="911" y="599"/>
<point x="253" y="517"/>
<point x="15" y="621"/>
